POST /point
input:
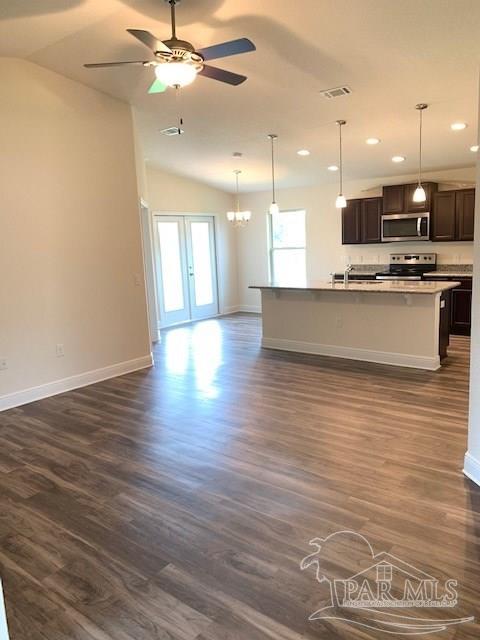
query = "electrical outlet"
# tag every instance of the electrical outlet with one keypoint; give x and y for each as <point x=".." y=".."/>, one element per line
<point x="339" y="323"/>
<point x="3" y="364"/>
<point x="60" y="351"/>
<point x="137" y="280"/>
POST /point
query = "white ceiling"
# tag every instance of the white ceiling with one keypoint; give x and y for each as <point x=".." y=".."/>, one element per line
<point x="392" y="54"/>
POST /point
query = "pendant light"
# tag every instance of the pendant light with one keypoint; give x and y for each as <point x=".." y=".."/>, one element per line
<point x="340" y="202"/>
<point x="237" y="217"/>
<point x="274" y="208"/>
<point x="419" y="194"/>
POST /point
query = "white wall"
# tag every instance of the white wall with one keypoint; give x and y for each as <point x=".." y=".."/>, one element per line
<point x="472" y="457"/>
<point x="3" y="617"/>
<point x="169" y="193"/>
<point x="70" y="259"/>
<point x="325" y="252"/>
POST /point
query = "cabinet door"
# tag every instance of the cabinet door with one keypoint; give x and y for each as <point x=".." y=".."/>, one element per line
<point x="351" y="222"/>
<point x="371" y="220"/>
<point x="465" y="214"/>
<point x="394" y="198"/>
<point x="461" y="312"/>
<point x="419" y="207"/>
<point x="443" y="216"/>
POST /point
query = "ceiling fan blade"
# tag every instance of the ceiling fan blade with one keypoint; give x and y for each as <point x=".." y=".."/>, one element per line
<point x="231" y="48"/>
<point x="101" y="65"/>
<point x="223" y="76"/>
<point x="149" y="40"/>
<point x="157" y="87"/>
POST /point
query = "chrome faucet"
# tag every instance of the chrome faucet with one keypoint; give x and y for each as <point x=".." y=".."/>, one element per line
<point x="348" y="269"/>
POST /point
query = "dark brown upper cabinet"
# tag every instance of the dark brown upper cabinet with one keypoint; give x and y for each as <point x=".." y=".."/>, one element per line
<point x="371" y="215"/>
<point x="398" y="198"/>
<point x="465" y="213"/>
<point x="361" y="220"/>
<point x="444" y="226"/>
<point x="453" y="215"/>
<point x="351" y="231"/>
<point x="420" y="207"/>
<point x="394" y="198"/>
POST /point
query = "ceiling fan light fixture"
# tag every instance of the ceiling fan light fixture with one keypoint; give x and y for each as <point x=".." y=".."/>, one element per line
<point x="176" y="74"/>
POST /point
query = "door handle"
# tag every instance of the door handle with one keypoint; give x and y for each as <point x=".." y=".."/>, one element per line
<point x="419" y="227"/>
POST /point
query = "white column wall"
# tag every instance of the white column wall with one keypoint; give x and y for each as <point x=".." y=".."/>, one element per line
<point x="472" y="457"/>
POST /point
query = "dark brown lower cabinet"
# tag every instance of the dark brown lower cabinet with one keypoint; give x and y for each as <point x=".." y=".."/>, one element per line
<point x="460" y="305"/>
<point x="461" y="313"/>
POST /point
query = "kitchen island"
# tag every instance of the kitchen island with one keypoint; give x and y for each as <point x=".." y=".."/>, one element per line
<point x="399" y="323"/>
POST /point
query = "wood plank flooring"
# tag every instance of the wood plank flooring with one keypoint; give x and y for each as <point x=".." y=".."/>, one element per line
<point x="177" y="502"/>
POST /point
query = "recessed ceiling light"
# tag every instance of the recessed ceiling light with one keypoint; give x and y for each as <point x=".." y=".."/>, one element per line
<point x="303" y="152"/>
<point x="474" y="148"/>
<point x="332" y="167"/>
<point x="398" y="159"/>
<point x="372" y="140"/>
<point x="458" y="126"/>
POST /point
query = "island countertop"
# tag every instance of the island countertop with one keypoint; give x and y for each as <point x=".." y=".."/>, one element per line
<point x="368" y="286"/>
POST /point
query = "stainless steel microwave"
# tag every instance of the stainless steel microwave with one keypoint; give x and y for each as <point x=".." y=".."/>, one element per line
<point x="405" y="227"/>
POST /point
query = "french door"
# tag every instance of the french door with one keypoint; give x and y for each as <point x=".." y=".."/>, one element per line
<point x="186" y="268"/>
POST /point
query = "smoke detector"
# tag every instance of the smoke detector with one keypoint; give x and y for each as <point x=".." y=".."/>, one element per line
<point x="336" y="92"/>
<point x="172" y="131"/>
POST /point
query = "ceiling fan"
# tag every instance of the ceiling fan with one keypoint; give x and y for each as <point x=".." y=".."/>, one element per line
<point x="177" y="62"/>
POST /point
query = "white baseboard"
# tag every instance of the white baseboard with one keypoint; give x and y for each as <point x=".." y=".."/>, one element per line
<point x="25" y="396"/>
<point x="471" y="468"/>
<point x="250" y="308"/>
<point x="226" y="311"/>
<point x="352" y="353"/>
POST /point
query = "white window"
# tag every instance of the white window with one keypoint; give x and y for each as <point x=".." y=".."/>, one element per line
<point x="287" y="246"/>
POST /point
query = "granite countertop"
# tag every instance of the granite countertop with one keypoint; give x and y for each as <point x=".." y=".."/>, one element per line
<point x="450" y="274"/>
<point x="375" y="286"/>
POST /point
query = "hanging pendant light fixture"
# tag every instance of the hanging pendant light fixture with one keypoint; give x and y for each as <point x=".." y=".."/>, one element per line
<point x="274" y="208"/>
<point x="340" y="202"/>
<point x="419" y="194"/>
<point x="237" y="217"/>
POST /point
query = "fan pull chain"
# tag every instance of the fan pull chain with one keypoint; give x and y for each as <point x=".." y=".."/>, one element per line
<point x="177" y="101"/>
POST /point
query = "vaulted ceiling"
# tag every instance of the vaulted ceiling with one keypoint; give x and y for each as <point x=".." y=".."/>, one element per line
<point x="391" y="54"/>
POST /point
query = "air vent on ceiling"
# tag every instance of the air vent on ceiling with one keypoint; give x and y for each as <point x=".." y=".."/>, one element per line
<point x="336" y="92"/>
<point x="172" y="131"/>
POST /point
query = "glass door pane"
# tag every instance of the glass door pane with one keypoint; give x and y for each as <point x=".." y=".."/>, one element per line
<point x="171" y="270"/>
<point x="202" y="267"/>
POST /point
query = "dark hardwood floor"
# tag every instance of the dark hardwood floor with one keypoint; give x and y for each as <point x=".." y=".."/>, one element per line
<point x="177" y="502"/>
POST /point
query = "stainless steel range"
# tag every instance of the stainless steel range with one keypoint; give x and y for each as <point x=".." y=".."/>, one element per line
<point x="408" y="266"/>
